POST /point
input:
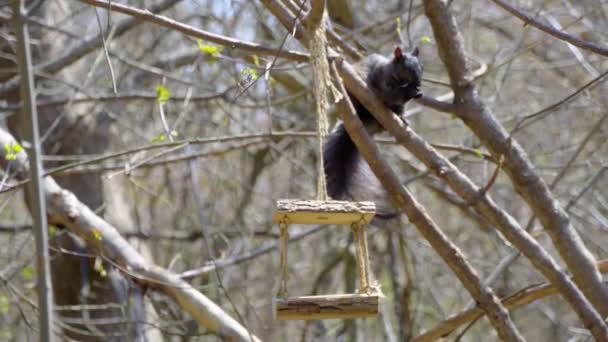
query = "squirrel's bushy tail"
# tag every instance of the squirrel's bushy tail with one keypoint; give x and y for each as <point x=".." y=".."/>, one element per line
<point x="340" y="159"/>
<point x="350" y="178"/>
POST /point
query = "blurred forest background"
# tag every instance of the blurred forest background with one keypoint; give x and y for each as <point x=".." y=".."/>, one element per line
<point x="111" y="85"/>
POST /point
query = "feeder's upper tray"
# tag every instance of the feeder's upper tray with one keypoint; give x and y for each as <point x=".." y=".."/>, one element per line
<point x="323" y="212"/>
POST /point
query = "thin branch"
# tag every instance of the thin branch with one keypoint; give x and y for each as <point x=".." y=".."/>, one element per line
<point x="512" y="302"/>
<point x="274" y="135"/>
<point x="531" y="118"/>
<point x="487" y="187"/>
<point x="73" y="55"/>
<point x="35" y="190"/>
<point x="105" y="51"/>
<point x="127" y="96"/>
<point x="188" y="30"/>
<point x="238" y="259"/>
<point x="437" y="105"/>
<point x="583" y="44"/>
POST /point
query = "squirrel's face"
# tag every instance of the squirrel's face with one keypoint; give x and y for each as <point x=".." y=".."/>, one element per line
<point x="407" y="73"/>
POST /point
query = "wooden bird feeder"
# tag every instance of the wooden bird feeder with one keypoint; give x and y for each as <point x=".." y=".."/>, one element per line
<point x="340" y="306"/>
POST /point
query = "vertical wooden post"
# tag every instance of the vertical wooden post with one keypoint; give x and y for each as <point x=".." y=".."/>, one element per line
<point x="360" y="239"/>
<point x="284" y="271"/>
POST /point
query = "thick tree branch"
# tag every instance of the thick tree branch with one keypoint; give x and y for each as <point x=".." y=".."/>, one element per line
<point x="315" y="14"/>
<point x="465" y="188"/>
<point x="470" y="192"/>
<point x="63" y="208"/>
<point x="478" y="117"/>
<point x="416" y="213"/>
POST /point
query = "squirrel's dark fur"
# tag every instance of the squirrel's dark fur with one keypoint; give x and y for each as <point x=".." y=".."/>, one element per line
<point x="394" y="81"/>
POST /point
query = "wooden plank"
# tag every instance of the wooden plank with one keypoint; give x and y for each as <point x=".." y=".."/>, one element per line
<point x="343" y="306"/>
<point x="323" y="212"/>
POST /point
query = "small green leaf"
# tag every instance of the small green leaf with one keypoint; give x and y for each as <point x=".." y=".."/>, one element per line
<point x="425" y="40"/>
<point x="97" y="235"/>
<point x="478" y="153"/>
<point x="11" y="151"/>
<point x="17" y="148"/>
<point x="27" y="274"/>
<point x="256" y="60"/>
<point x="162" y="94"/>
<point x="212" y="51"/>
<point x="159" y="139"/>
<point x="52" y="230"/>
<point x="251" y="73"/>
<point x="98" y="266"/>
<point x="398" y="25"/>
<point x="4" y="304"/>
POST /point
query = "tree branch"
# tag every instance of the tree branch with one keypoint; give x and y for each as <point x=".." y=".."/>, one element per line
<point x="416" y="213"/>
<point x="63" y="208"/>
<point x="514" y="301"/>
<point x="198" y="33"/>
<point x="87" y="46"/>
<point x="467" y="190"/>
<point x="583" y="44"/>
<point x="478" y="117"/>
<point x="464" y="187"/>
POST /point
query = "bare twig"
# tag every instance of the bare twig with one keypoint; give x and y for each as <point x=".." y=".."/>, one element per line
<point x="238" y="259"/>
<point x="105" y="50"/>
<point x="126" y="96"/>
<point x="583" y="44"/>
<point x="487" y="187"/>
<point x="522" y="297"/>
<point x="87" y="46"/>
<point x="198" y="33"/>
<point x="275" y="135"/>
<point x="531" y="118"/>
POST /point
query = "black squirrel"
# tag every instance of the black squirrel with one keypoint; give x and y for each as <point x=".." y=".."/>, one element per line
<point x="394" y="81"/>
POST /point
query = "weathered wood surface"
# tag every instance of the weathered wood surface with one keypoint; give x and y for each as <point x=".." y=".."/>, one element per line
<point x="342" y="306"/>
<point x="323" y="212"/>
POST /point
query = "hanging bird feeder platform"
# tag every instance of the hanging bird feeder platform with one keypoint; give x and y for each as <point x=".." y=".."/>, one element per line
<point x="339" y="306"/>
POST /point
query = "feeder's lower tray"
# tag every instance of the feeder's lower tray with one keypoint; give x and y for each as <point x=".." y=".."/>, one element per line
<point x="342" y="306"/>
<point x="323" y="212"/>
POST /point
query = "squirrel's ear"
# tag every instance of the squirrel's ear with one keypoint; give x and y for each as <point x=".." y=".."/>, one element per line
<point x="398" y="53"/>
<point x="415" y="52"/>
